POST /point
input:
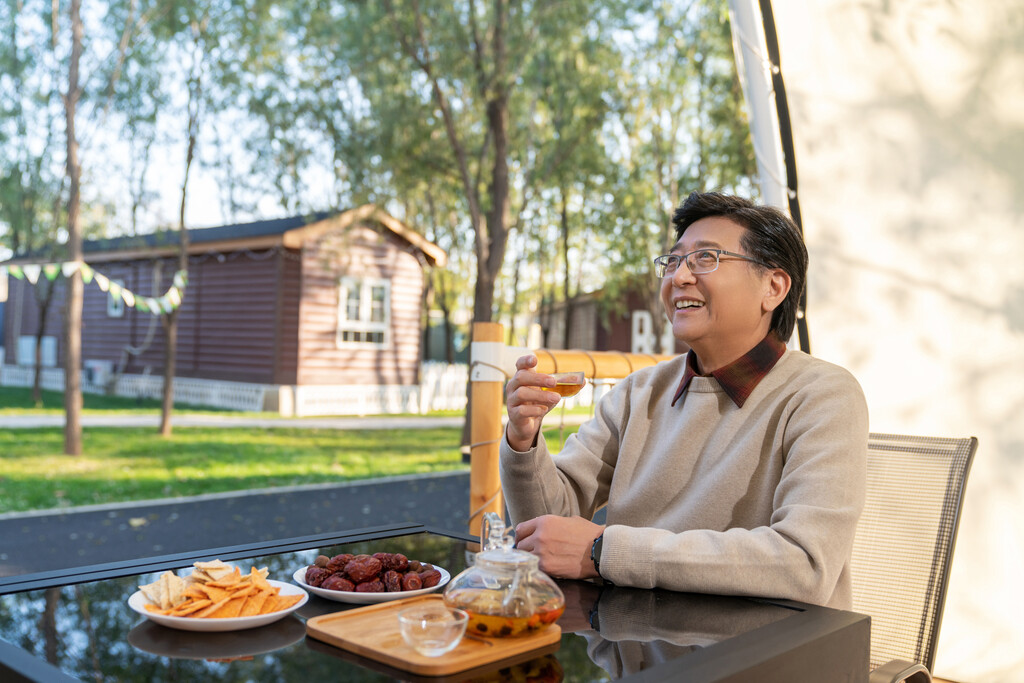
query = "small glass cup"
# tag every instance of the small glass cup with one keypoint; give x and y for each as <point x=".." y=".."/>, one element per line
<point x="432" y="630"/>
<point x="567" y="383"/>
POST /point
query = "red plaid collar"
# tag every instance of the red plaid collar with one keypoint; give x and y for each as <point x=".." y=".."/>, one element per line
<point x="739" y="377"/>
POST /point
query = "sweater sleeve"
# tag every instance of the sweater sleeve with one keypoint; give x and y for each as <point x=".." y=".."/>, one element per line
<point x="576" y="480"/>
<point x="804" y="550"/>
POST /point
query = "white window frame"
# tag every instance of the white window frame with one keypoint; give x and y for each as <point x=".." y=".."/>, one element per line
<point x="27" y="351"/>
<point x="115" y="305"/>
<point x="354" y="332"/>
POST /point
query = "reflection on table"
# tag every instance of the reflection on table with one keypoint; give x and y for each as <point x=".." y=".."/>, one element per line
<point x="79" y="622"/>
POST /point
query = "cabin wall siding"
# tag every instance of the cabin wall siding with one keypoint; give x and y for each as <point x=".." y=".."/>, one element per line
<point x="363" y="253"/>
<point x="265" y="317"/>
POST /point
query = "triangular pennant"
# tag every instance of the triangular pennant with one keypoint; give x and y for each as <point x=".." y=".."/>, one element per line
<point x="102" y="282"/>
<point x="16" y="271"/>
<point x="32" y="272"/>
<point x="141" y="305"/>
<point x="174" y="296"/>
<point x="181" y="279"/>
<point x="51" y="271"/>
<point x="115" y="290"/>
<point x="69" y="267"/>
<point x="87" y="272"/>
<point x="152" y="305"/>
<point x="128" y="297"/>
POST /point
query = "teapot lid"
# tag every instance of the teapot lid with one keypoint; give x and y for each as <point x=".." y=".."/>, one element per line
<point x="497" y="543"/>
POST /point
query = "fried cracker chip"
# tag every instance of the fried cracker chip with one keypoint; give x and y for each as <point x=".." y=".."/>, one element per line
<point x="190" y="608"/>
<point x="229" y="580"/>
<point x="259" y="578"/>
<point x="280" y="602"/>
<point x="254" y="604"/>
<point x="231" y="609"/>
<point x="215" y="570"/>
<point x="211" y="609"/>
<point x="215" y="593"/>
<point x="167" y="591"/>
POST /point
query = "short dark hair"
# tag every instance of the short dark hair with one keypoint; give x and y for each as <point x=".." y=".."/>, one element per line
<point x="771" y="237"/>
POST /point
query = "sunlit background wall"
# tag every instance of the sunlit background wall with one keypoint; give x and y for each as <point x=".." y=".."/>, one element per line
<point x="908" y="120"/>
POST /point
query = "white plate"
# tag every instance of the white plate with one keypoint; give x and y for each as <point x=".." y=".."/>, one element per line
<point x="138" y="602"/>
<point x="365" y="598"/>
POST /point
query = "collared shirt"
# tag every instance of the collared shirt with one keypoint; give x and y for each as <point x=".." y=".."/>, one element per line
<point x="739" y="377"/>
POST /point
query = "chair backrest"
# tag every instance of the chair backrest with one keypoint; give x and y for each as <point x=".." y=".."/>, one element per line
<point x="905" y="539"/>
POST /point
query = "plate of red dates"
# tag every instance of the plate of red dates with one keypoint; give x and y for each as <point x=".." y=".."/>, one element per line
<point x="369" y="579"/>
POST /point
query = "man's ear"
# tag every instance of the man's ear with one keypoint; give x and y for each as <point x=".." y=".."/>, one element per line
<point x="776" y="288"/>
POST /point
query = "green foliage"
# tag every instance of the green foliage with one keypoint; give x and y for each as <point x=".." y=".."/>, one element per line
<point x="611" y="112"/>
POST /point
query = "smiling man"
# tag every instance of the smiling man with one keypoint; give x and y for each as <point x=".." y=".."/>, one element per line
<point x="737" y="468"/>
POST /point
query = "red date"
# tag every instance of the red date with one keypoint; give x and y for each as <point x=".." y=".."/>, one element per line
<point x="337" y="582"/>
<point x="412" y="582"/>
<point x="315" y="575"/>
<point x="374" y="586"/>
<point x="360" y="570"/>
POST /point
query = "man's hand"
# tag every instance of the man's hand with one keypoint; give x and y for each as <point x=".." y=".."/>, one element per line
<point x="562" y="544"/>
<point x="527" y="403"/>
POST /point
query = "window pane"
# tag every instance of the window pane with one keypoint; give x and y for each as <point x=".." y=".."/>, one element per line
<point x="352" y="304"/>
<point x="378" y="304"/>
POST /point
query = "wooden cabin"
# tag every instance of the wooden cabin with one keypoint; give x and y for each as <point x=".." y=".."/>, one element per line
<point x="321" y="306"/>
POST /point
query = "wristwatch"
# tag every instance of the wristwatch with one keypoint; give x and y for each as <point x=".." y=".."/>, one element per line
<point x="595" y="553"/>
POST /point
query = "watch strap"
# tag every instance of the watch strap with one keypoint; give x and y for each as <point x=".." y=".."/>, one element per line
<point x="595" y="553"/>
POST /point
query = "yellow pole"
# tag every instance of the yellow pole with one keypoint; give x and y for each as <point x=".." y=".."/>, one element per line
<point x="594" y="364"/>
<point x="487" y="383"/>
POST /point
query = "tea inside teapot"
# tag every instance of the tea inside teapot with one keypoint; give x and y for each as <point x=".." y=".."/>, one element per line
<point x="504" y="592"/>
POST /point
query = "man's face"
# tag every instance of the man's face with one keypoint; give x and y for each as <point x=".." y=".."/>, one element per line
<point x="719" y="314"/>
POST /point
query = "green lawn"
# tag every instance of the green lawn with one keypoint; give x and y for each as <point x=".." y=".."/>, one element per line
<point x="137" y="464"/>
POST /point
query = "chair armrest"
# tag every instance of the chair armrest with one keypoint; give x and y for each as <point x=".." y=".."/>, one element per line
<point x="900" y="671"/>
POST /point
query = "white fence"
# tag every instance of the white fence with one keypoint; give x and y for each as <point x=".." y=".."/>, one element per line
<point x="206" y="392"/>
<point x="442" y="387"/>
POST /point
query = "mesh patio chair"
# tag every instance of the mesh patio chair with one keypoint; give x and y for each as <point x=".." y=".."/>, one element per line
<point x="904" y="547"/>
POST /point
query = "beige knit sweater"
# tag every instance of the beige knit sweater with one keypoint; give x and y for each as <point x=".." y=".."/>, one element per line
<point x="707" y="497"/>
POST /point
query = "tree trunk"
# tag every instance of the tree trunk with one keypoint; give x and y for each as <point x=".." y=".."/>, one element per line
<point x="44" y="312"/>
<point x="48" y="624"/>
<point x="170" y="319"/>
<point x="73" y="310"/>
<point x="566" y="297"/>
<point x="170" y="356"/>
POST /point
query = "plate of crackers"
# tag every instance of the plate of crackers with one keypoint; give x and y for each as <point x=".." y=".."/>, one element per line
<point x="217" y="597"/>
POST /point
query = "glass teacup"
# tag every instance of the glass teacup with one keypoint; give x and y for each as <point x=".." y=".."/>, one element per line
<point x="434" y="629"/>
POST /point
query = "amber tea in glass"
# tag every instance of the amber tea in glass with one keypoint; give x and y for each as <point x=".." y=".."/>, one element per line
<point x="567" y="383"/>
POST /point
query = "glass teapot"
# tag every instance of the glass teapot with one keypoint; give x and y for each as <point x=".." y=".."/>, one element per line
<point x="505" y="592"/>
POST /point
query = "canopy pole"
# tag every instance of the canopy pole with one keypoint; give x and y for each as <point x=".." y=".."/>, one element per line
<point x="487" y="381"/>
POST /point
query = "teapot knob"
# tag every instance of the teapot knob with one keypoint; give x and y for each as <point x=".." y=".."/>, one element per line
<point x="494" y="535"/>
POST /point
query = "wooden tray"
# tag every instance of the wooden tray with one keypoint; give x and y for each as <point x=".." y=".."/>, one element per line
<point x="373" y="632"/>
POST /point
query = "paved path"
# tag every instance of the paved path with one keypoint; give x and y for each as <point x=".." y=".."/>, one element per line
<point x="205" y="420"/>
<point x="56" y="539"/>
<point x="213" y="420"/>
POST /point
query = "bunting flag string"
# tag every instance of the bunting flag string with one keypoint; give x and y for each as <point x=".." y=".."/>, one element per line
<point x="170" y="300"/>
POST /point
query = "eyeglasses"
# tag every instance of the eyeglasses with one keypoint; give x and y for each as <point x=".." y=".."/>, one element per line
<point x="698" y="262"/>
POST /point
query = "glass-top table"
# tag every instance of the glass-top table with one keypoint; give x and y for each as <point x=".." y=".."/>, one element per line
<point x="75" y="624"/>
